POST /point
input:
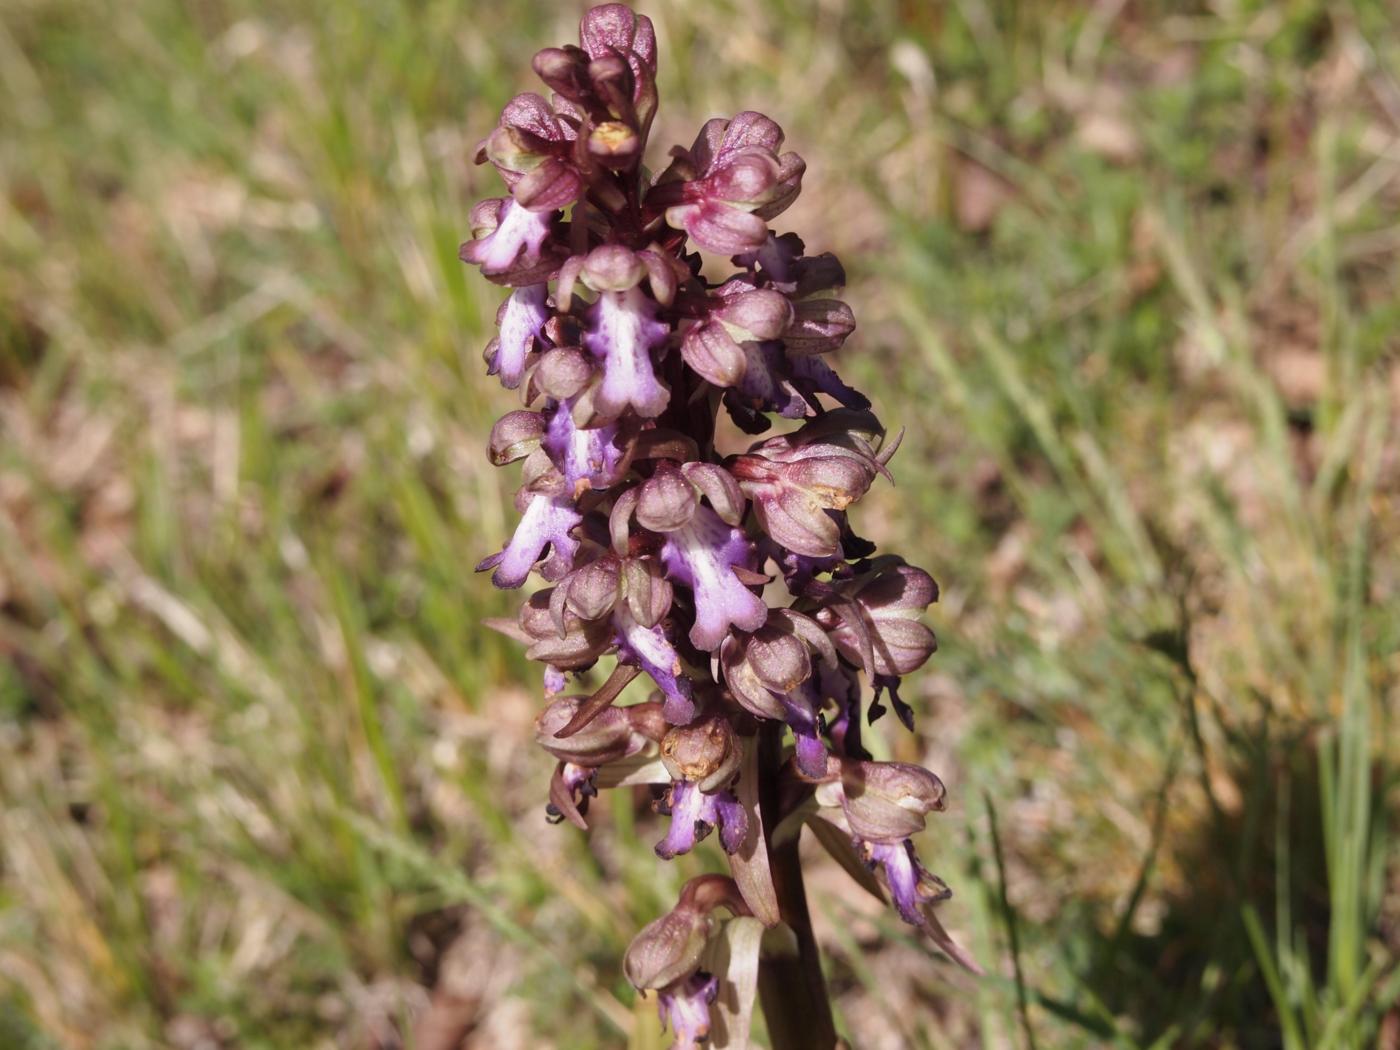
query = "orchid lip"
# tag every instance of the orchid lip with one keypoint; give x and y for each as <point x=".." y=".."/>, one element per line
<point x="519" y="230"/>
<point x="522" y="319"/>
<point x="546" y="523"/>
<point x="622" y="334"/>
<point x="702" y="554"/>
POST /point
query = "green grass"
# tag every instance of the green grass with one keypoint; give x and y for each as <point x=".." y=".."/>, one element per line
<point x="1128" y="275"/>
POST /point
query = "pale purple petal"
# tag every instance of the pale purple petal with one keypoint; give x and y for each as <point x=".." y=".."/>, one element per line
<point x="702" y="555"/>
<point x="521" y="320"/>
<point x="685" y="1010"/>
<point x="546" y="523"/>
<point x="622" y="332"/>
<point x="555" y="681"/>
<point x="518" y="231"/>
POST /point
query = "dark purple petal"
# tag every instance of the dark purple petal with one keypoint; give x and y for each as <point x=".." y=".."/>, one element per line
<point x="810" y="751"/>
<point x="685" y="1010"/>
<point x="695" y="813"/>
<point x="733" y="821"/>
<point x="521" y="317"/>
<point x="814" y="376"/>
<point x="890" y="683"/>
<point x="702" y="555"/>
<point x="623" y="330"/>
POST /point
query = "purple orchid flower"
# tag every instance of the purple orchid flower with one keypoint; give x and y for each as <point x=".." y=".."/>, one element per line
<point x="695" y="813"/>
<point x="659" y="545"/>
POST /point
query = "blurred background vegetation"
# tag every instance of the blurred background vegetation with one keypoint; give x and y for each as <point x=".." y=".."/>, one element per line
<point x="1127" y="272"/>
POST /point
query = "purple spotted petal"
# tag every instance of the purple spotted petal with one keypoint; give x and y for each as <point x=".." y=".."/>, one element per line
<point x="586" y="458"/>
<point x="702" y="555"/>
<point x="622" y="332"/>
<point x="522" y="317"/>
<point x="650" y="649"/>
<point x="517" y="231"/>
<point x="685" y="1010"/>
<point x="911" y="884"/>
<point x="694" y="814"/>
<point x="546" y="523"/>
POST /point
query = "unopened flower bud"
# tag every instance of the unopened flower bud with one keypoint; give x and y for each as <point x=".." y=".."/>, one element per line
<point x="565" y="69"/>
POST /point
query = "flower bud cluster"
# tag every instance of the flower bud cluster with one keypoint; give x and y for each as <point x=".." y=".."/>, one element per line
<point x="734" y="582"/>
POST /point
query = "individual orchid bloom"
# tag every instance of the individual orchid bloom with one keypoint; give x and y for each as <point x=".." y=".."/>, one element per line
<point x="511" y="244"/>
<point x="771" y="672"/>
<point x="547" y="523"/>
<point x="657" y="545"/>
<point x="702" y="759"/>
<point x="883" y="804"/>
<point x="630" y="596"/>
<point x="715" y="347"/>
<point x="521" y="319"/>
<point x="532" y="149"/>
<point x="615" y="733"/>
<point x="586" y="458"/>
<point x="705" y="550"/>
<point x="623" y="331"/>
<point x="912" y="886"/>
<point x="724" y="188"/>
<point x="685" y="1010"/>
<point x="797" y="487"/>
<point x="877" y="625"/>
<point x="667" y="954"/>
